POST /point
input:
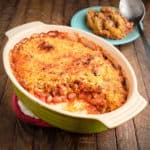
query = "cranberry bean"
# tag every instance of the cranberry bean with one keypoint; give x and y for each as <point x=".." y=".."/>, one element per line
<point x="49" y="99"/>
<point x="57" y="99"/>
<point x="82" y="96"/>
<point x="71" y="96"/>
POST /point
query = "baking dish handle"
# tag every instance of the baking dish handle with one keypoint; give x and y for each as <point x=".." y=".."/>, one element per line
<point x="125" y="113"/>
<point x="23" y="27"/>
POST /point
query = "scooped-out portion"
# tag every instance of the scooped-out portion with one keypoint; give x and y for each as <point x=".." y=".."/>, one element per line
<point x="69" y="72"/>
<point x="109" y="23"/>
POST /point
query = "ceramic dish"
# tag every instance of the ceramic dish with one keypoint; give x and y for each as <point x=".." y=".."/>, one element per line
<point x="78" y="21"/>
<point x="81" y="123"/>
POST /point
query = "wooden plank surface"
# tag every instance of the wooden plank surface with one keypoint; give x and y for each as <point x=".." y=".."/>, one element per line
<point x="14" y="134"/>
<point x="8" y="120"/>
<point x="128" y="139"/>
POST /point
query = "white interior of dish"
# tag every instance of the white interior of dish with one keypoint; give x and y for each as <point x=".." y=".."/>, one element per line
<point x="135" y="103"/>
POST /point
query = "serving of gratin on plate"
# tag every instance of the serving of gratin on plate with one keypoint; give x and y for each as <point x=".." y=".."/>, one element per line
<point x="109" y="23"/>
<point x="71" y="79"/>
<point x="106" y="22"/>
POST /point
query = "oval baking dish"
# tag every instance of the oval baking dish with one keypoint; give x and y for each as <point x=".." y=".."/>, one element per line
<point x="81" y="123"/>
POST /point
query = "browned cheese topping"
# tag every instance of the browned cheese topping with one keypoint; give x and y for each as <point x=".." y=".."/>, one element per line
<point x="59" y="70"/>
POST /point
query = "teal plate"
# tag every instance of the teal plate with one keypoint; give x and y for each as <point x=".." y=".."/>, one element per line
<point x="78" y="21"/>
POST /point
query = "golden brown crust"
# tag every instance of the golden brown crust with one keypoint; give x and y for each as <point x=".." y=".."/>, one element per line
<point x="108" y="23"/>
<point x="58" y="70"/>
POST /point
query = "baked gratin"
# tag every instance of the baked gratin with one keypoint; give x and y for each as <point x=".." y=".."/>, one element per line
<point x="109" y="23"/>
<point x="69" y="72"/>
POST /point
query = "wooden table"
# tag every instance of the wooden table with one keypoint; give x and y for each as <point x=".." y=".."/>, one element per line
<point x="14" y="134"/>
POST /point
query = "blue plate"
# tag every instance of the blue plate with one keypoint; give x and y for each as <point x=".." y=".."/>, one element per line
<point x="78" y="21"/>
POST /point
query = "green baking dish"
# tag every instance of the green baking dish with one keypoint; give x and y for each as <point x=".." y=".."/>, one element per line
<point x="79" y="123"/>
